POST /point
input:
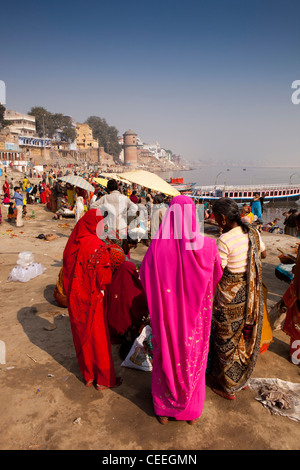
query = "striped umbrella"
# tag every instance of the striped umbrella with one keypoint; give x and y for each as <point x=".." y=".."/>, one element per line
<point x="78" y="181"/>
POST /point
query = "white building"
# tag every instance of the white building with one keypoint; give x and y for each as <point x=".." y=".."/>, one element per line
<point x="155" y="149"/>
<point x="21" y="124"/>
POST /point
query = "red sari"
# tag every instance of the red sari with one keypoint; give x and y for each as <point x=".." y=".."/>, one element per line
<point x="42" y="193"/>
<point x="126" y="301"/>
<point x="86" y="267"/>
<point x="45" y="195"/>
<point x="125" y="298"/>
<point x="6" y="188"/>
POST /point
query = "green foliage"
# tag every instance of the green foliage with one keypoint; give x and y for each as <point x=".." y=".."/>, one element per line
<point x="48" y="123"/>
<point x="106" y="135"/>
<point x="3" y="122"/>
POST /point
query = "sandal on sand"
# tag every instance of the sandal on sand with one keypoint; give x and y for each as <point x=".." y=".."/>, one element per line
<point x="163" y="419"/>
<point x="89" y="383"/>
<point x="192" y="422"/>
<point x="104" y="387"/>
<point x="101" y="387"/>
<point x="223" y="394"/>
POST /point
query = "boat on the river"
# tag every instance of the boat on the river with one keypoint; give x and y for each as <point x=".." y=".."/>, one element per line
<point x="245" y="193"/>
<point x="180" y="186"/>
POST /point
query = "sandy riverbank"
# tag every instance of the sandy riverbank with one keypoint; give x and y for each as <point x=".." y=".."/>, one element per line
<point x="44" y="403"/>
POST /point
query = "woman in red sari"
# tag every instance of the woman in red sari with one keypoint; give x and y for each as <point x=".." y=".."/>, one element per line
<point x="6" y="188"/>
<point x="42" y="189"/>
<point x="125" y="297"/>
<point x="45" y="195"/>
<point x="125" y="300"/>
<point x="86" y="272"/>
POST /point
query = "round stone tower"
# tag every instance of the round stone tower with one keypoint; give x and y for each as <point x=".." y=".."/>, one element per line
<point x="130" y="147"/>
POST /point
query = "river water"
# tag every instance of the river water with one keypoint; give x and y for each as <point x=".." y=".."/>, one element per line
<point x="222" y="175"/>
<point x="210" y="175"/>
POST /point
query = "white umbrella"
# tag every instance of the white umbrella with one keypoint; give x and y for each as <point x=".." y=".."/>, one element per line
<point x="78" y="181"/>
<point x="151" y="181"/>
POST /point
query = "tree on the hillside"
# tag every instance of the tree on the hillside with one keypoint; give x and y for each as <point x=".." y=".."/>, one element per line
<point x="43" y="121"/>
<point x="106" y="135"/>
<point x="47" y="123"/>
<point x="64" y="124"/>
<point x="3" y="122"/>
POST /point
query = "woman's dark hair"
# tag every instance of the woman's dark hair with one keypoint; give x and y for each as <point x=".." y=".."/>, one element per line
<point x="158" y="199"/>
<point x="298" y="220"/>
<point x="229" y="208"/>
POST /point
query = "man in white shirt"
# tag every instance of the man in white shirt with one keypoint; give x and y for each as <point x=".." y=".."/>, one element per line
<point x="114" y="208"/>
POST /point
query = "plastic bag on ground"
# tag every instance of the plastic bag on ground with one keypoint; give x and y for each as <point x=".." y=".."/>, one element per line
<point x="25" y="258"/>
<point x="26" y="269"/>
<point x="138" y="356"/>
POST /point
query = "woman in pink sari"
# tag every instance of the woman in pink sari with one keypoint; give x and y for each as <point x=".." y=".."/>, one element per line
<point x="179" y="273"/>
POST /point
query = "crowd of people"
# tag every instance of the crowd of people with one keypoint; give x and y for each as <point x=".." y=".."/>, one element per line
<point x="252" y="213"/>
<point x="204" y="299"/>
<point x="14" y="201"/>
<point x="50" y="191"/>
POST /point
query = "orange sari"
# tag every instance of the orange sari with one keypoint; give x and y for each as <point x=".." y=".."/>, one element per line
<point x="266" y="334"/>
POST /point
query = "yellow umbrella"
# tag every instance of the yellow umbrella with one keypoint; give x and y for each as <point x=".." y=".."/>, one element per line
<point x="101" y="181"/>
<point x="151" y="181"/>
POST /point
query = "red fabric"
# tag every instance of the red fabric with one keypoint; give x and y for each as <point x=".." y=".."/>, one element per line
<point x="126" y="301"/>
<point x="86" y="265"/>
<point x="134" y="199"/>
<point x="82" y="192"/>
<point x="45" y="195"/>
<point x="292" y="320"/>
<point x="6" y="188"/>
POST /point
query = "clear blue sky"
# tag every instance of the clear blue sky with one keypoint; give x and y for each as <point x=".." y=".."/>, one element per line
<point x="207" y="79"/>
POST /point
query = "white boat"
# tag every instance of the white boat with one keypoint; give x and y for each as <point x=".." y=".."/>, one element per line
<point x="184" y="187"/>
<point x="272" y="192"/>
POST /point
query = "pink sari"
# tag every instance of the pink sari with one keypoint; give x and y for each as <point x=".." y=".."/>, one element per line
<point x="179" y="273"/>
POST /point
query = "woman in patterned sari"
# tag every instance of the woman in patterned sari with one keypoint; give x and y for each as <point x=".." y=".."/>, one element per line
<point x="239" y="303"/>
